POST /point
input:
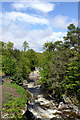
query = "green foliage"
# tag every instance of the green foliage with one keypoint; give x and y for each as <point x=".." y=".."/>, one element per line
<point x="0" y="55"/>
<point x="73" y="78"/>
<point x="31" y="55"/>
<point x="8" y="65"/>
<point x="19" y="89"/>
<point x="8" y="96"/>
<point x="16" y="54"/>
<point x="15" y="63"/>
<point x="49" y="46"/>
<point x="71" y="40"/>
<point x="38" y="58"/>
<point x="45" y="66"/>
<point x="17" y="79"/>
<point x="15" y="105"/>
<point x="25" y="45"/>
<point x="60" y="65"/>
<point x="18" y="64"/>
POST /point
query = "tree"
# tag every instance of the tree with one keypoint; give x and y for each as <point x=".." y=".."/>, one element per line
<point x="25" y="45"/>
<point x="58" y="45"/>
<point x="72" y="83"/>
<point x="60" y="64"/>
<point x="9" y="65"/>
<point x="16" y="54"/>
<point x="31" y="55"/>
<point x="71" y="40"/>
<point x="49" y="46"/>
<point x="9" y="46"/>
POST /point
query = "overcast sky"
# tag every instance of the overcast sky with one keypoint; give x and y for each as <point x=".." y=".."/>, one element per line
<point x="37" y="22"/>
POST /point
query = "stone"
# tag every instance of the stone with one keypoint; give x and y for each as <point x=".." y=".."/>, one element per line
<point x="62" y="106"/>
<point x="64" y="116"/>
<point x="38" y="119"/>
<point x="75" y="108"/>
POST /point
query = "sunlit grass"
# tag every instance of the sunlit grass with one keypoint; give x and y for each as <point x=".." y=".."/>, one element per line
<point x="2" y="73"/>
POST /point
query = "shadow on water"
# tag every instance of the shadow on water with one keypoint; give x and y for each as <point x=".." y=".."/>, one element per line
<point x="30" y="80"/>
<point x="34" y="90"/>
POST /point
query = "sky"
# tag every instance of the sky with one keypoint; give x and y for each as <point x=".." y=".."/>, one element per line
<point x="37" y="22"/>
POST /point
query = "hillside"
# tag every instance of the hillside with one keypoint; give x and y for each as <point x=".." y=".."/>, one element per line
<point x="14" y="99"/>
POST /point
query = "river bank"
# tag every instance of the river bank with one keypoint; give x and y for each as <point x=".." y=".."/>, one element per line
<point x="45" y="107"/>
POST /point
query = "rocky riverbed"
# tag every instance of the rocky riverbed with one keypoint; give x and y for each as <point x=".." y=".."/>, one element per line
<point x="47" y="108"/>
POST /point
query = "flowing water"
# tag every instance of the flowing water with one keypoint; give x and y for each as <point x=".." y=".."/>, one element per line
<point x="47" y="108"/>
<point x="41" y="107"/>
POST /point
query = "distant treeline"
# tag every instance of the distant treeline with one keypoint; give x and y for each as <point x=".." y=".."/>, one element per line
<point x="18" y="64"/>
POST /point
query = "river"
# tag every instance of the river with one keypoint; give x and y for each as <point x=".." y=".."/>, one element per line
<point x="47" y="108"/>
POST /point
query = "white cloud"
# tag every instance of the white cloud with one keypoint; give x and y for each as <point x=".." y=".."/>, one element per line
<point x="38" y="5"/>
<point x="15" y="34"/>
<point x="61" y="21"/>
<point x="35" y="38"/>
<point x="43" y="6"/>
<point x="58" y="36"/>
<point x="18" y="6"/>
<point x="23" y="17"/>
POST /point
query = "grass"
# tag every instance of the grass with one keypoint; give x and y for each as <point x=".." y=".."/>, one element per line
<point x="9" y="96"/>
<point x="14" y="105"/>
<point x="19" y="89"/>
<point x="2" y="73"/>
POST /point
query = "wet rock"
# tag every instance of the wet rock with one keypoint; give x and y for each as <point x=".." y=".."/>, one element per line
<point x="38" y="119"/>
<point x="65" y="116"/>
<point x="57" y="117"/>
<point x="45" y="106"/>
<point x="62" y="106"/>
<point x="40" y="96"/>
<point x="57" y="112"/>
<point x="66" y="111"/>
<point x="46" y="103"/>
<point x="75" y="108"/>
<point x="43" y="101"/>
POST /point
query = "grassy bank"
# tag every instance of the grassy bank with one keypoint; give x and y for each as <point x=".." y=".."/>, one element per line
<point x="2" y="73"/>
<point x="14" y="99"/>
